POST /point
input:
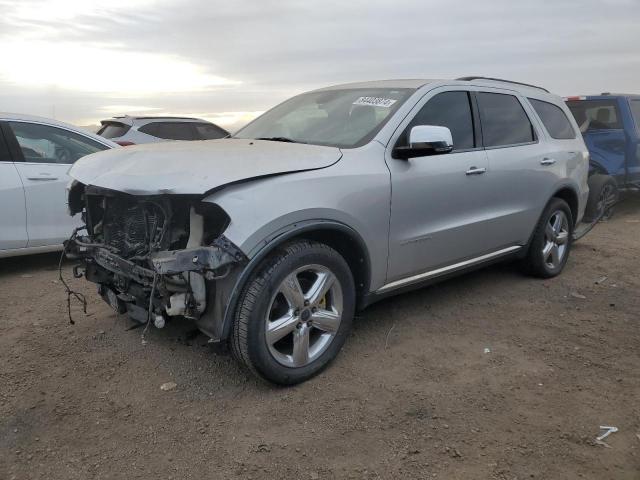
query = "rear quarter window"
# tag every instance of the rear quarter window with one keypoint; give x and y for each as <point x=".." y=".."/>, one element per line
<point x="553" y="119"/>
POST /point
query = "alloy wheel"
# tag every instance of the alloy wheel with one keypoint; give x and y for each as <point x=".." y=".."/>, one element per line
<point x="556" y="237"/>
<point x="304" y="315"/>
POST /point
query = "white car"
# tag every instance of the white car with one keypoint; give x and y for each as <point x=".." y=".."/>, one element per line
<point x="128" y="130"/>
<point x="35" y="155"/>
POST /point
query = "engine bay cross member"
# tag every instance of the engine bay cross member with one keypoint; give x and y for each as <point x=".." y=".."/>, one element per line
<point x="270" y="240"/>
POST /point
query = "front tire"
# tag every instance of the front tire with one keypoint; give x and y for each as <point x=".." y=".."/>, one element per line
<point x="295" y="313"/>
<point x="551" y="243"/>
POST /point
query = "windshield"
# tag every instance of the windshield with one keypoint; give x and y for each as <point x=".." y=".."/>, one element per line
<point x="338" y="118"/>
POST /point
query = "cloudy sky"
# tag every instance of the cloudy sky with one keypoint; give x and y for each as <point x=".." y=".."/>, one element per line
<point x="85" y="60"/>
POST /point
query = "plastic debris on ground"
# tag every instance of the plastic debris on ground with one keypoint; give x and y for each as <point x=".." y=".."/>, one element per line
<point x="606" y="431"/>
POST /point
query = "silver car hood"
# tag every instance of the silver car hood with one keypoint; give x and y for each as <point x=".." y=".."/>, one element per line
<point x="196" y="167"/>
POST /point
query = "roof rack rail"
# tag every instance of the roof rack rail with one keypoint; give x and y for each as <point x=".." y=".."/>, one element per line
<point x="502" y="80"/>
<point x="145" y="117"/>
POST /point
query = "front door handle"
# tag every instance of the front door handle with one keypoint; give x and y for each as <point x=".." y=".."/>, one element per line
<point x="547" y="161"/>
<point x="43" y="177"/>
<point x="476" y="171"/>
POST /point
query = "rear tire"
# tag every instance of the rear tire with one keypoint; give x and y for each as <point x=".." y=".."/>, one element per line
<point x="551" y="242"/>
<point x="295" y="313"/>
<point x="603" y="195"/>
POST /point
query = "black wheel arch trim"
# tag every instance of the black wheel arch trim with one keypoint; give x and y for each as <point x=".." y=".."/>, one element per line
<point x="266" y="246"/>
<point x="576" y="198"/>
<point x="559" y="188"/>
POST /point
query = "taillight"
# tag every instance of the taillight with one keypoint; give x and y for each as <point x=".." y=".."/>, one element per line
<point x="570" y="99"/>
<point x="124" y="143"/>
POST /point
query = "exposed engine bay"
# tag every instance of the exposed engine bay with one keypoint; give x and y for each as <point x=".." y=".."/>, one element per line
<point x="153" y="257"/>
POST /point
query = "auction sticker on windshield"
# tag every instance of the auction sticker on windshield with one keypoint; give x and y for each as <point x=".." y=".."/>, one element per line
<point x="375" y="101"/>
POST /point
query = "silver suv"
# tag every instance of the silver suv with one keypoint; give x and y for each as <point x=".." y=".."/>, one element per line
<point x="334" y="199"/>
<point x="129" y="130"/>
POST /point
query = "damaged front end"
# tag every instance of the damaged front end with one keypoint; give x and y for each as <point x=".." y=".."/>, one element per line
<point x="156" y="257"/>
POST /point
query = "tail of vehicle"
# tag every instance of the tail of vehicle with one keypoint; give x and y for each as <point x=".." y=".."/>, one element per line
<point x="115" y="129"/>
<point x="608" y="129"/>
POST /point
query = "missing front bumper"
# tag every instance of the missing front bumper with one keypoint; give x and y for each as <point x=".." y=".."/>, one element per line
<point x="171" y="283"/>
<point x="207" y="260"/>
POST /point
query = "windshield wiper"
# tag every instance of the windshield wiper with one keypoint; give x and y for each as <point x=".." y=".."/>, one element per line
<point x="278" y="139"/>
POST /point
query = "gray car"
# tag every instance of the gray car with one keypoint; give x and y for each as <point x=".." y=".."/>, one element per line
<point x="334" y="199"/>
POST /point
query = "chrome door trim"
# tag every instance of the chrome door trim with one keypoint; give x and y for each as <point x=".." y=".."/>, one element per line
<point x="441" y="271"/>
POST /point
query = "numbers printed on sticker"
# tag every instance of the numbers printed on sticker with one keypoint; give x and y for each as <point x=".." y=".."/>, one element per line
<point x="375" y="101"/>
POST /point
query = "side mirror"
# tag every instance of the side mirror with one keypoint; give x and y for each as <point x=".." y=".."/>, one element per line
<point x="426" y="140"/>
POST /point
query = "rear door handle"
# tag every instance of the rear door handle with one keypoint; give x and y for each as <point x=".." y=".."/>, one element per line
<point x="476" y="171"/>
<point x="547" y="161"/>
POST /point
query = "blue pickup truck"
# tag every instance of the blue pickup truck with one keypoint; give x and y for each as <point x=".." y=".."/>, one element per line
<point x="610" y="125"/>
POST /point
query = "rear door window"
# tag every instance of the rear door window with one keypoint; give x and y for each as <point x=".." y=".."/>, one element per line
<point x="595" y="114"/>
<point x="504" y="121"/>
<point x="553" y="119"/>
<point x="151" y="129"/>
<point x="170" y="130"/>
<point x="48" y="144"/>
<point x="113" y="129"/>
<point x="208" y="131"/>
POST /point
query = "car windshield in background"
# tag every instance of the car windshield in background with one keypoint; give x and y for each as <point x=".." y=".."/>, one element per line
<point x="339" y="118"/>
<point x="595" y="114"/>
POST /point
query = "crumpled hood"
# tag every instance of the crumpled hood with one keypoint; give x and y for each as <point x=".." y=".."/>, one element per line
<point x="196" y="167"/>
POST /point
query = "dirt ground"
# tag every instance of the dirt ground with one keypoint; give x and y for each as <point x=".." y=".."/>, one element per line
<point x="414" y="394"/>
